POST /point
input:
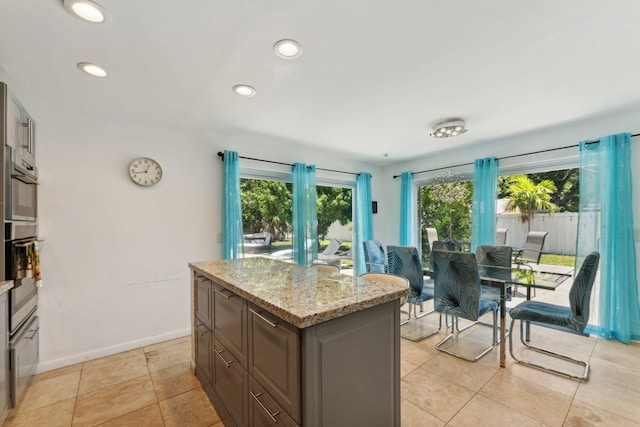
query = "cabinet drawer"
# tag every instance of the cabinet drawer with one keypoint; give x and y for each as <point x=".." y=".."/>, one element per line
<point x="274" y="358"/>
<point x="204" y="300"/>
<point x="264" y="411"/>
<point x="204" y="350"/>
<point x="231" y="384"/>
<point x="230" y="322"/>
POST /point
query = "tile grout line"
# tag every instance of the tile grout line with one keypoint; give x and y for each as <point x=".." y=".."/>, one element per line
<point x="75" y="402"/>
<point x="153" y="384"/>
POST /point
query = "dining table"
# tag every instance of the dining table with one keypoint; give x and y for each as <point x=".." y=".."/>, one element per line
<point x="541" y="277"/>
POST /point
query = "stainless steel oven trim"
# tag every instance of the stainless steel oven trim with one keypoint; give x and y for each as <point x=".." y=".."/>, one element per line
<point x="23" y="314"/>
<point x="19" y="172"/>
<point x="24" y="178"/>
<point x="24" y="356"/>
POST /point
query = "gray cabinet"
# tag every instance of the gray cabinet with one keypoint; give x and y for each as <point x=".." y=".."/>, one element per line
<point x="264" y="411"/>
<point x="231" y="384"/>
<point x="259" y="370"/>
<point x="274" y="358"/>
<point x="230" y="322"/>
<point x="20" y="126"/>
<point x="204" y="300"/>
<point x="4" y="357"/>
<point x="204" y="350"/>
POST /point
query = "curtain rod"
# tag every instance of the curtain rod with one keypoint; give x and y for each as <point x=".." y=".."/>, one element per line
<point x="514" y="155"/>
<point x="221" y="155"/>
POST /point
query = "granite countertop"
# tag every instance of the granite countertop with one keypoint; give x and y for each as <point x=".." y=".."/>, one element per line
<point x="302" y="296"/>
<point x="5" y="285"/>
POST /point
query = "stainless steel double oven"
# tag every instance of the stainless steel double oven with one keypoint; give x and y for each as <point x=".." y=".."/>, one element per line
<point x="21" y="266"/>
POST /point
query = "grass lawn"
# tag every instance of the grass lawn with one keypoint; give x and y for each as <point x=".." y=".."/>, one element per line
<point x="552" y="259"/>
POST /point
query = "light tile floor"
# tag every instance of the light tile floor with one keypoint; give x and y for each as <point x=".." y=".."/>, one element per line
<point x="153" y="386"/>
<point x="149" y="386"/>
<point x="438" y="389"/>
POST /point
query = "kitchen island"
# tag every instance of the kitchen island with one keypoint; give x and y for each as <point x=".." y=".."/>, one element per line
<point x="279" y="343"/>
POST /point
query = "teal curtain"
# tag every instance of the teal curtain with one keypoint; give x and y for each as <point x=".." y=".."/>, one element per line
<point x="408" y="211"/>
<point x="305" y="220"/>
<point x="363" y="221"/>
<point x="605" y="224"/>
<point x="483" y="210"/>
<point x="232" y="240"/>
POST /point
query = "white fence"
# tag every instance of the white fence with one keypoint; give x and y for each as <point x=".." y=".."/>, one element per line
<point x="562" y="228"/>
<point x="340" y="232"/>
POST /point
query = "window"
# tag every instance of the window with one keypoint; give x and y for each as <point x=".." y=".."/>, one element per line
<point x="445" y="205"/>
<point x="267" y="208"/>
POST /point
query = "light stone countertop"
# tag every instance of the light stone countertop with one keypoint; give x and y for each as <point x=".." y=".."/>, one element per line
<point x="5" y="285"/>
<point x="302" y="296"/>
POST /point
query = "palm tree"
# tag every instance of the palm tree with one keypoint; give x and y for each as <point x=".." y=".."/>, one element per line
<point x="528" y="196"/>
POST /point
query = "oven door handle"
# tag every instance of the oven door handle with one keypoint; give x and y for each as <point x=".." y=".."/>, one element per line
<point x="24" y="178"/>
<point x="25" y="244"/>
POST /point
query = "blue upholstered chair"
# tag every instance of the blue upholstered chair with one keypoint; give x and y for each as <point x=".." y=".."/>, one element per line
<point x="572" y="319"/>
<point x="457" y="293"/>
<point x="374" y="256"/>
<point x="405" y="261"/>
<point x="500" y="257"/>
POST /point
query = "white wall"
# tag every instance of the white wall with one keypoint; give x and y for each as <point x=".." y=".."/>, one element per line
<point x="115" y="255"/>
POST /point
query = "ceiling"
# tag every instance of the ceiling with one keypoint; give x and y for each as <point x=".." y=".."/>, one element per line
<point x="373" y="78"/>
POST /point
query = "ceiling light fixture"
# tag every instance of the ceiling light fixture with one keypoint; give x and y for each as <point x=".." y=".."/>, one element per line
<point x="449" y="127"/>
<point x="86" y="10"/>
<point x="244" y="90"/>
<point x="287" y="49"/>
<point x="92" y="69"/>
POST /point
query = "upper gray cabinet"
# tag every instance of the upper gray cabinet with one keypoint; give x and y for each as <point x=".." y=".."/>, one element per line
<point x="20" y="132"/>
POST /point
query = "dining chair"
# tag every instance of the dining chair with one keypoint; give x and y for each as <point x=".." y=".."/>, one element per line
<point x="391" y="279"/>
<point x="441" y="245"/>
<point x="501" y="236"/>
<point x="432" y="236"/>
<point x="374" y="256"/>
<point x="532" y="250"/>
<point x="405" y="261"/>
<point x="457" y="292"/>
<point x="572" y="319"/>
<point x="327" y="267"/>
<point x="488" y="256"/>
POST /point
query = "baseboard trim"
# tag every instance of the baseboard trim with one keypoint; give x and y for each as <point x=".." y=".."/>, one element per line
<point x="49" y="365"/>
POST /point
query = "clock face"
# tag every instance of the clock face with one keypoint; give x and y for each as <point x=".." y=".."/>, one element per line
<point x="144" y="171"/>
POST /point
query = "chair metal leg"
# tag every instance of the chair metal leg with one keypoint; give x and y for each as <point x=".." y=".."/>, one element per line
<point x="454" y="328"/>
<point x="584" y="376"/>
<point x="418" y="316"/>
<point x="507" y="332"/>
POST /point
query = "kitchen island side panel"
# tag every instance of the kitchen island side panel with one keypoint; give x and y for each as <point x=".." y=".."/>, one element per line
<point x="351" y="369"/>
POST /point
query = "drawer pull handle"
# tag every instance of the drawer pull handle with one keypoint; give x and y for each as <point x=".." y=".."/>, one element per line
<point x="274" y="324"/>
<point x="222" y="358"/>
<point x="273" y="416"/>
<point x="224" y="295"/>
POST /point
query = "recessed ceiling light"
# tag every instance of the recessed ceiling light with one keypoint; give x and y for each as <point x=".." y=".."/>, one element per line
<point x="87" y="10"/>
<point x="244" y="90"/>
<point x="448" y="128"/>
<point x="92" y="69"/>
<point x="287" y="49"/>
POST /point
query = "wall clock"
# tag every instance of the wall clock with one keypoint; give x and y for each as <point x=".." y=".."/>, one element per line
<point x="145" y="171"/>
